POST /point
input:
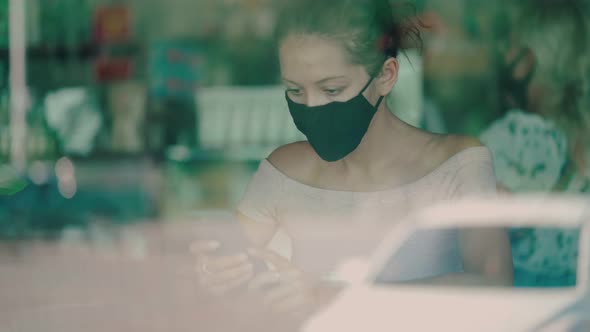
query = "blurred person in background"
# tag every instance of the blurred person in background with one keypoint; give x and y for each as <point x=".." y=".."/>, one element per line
<point x="541" y="143"/>
<point x="360" y="170"/>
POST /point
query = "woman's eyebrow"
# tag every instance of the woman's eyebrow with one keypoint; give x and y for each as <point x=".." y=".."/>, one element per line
<point x="288" y="81"/>
<point x="318" y="82"/>
<point x="329" y="79"/>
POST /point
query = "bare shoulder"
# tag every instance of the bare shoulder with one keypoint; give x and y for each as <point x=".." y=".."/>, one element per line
<point x="443" y="147"/>
<point x="454" y="144"/>
<point x="295" y="160"/>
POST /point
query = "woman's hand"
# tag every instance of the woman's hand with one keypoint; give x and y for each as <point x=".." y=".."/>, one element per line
<point x="284" y="289"/>
<point x="220" y="274"/>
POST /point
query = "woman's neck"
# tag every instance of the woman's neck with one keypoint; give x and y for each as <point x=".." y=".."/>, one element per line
<point x="386" y="134"/>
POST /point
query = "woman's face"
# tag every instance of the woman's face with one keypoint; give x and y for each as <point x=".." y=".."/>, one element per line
<point x="317" y="71"/>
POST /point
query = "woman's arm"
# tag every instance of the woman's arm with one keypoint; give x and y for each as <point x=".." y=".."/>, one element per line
<point x="487" y="260"/>
<point x="259" y="234"/>
<point x="487" y="253"/>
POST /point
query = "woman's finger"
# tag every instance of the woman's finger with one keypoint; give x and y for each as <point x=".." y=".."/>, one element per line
<point x="227" y="276"/>
<point x="222" y="289"/>
<point x="266" y="278"/>
<point x="281" y="293"/>
<point x="272" y="257"/>
<point x="202" y="247"/>
<point x="216" y="264"/>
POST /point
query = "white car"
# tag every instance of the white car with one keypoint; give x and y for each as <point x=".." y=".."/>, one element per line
<point x="369" y="305"/>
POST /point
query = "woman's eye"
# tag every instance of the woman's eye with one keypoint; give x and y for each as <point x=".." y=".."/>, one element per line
<point x="332" y="92"/>
<point x="294" y="92"/>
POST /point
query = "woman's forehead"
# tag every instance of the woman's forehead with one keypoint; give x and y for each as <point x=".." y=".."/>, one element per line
<point x="311" y="59"/>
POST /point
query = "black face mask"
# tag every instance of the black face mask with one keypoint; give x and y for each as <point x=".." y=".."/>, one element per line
<point x="516" y="89"/>
<point x="336" y="129"/>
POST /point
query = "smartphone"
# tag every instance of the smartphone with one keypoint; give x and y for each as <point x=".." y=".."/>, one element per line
<point x="224" y="228"/>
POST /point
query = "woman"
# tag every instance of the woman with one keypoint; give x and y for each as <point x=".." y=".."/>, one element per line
<point x="360" y="170"/>
<point x="542" y="143"/>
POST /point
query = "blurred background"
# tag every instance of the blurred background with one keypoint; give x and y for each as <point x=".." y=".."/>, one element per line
<point x="144" y="109"/>
<point x="119" y="112"/>
<point x="147" y="112"/>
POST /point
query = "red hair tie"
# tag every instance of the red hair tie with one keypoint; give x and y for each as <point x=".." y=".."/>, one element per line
<point x="384" y="43"/>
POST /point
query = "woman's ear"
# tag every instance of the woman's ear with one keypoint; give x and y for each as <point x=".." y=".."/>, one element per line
<point x="388" y="76"/>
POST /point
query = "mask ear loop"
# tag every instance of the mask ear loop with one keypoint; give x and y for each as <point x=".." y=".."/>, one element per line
<point x="367" y="85"/>
<point x="379" y="102"/>
<point x="365" y="88"/>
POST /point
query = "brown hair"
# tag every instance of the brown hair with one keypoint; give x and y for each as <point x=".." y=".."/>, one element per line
<point x="370" y="30"/>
